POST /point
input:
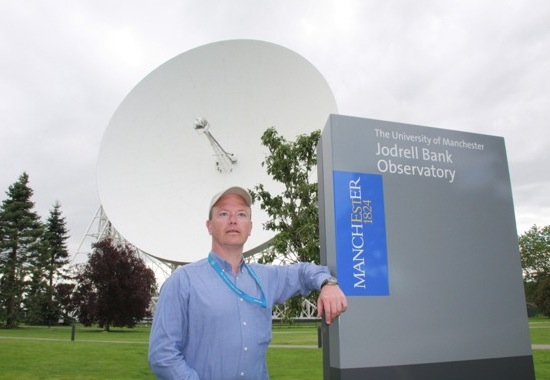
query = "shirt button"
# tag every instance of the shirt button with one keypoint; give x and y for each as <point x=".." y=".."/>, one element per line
<point x="244" y="323"/>
<point x="242" y="374"/>
<point x="246" y="348"/>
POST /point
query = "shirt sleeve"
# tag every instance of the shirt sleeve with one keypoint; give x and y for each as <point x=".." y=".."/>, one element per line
<point x="301" y="278"/>
<point x="168" y="332"/>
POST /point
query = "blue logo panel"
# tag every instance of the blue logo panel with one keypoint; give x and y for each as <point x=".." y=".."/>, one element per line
<point x="361" y="250"/>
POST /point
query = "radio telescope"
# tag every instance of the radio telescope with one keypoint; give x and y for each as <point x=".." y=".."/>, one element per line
<point x="191" y="128"/>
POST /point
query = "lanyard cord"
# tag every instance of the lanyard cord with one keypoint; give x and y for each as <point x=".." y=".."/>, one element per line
<point x="257" y="301"/>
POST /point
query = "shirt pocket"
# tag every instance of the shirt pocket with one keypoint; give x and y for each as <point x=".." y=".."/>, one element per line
<point x="262" y="325"/>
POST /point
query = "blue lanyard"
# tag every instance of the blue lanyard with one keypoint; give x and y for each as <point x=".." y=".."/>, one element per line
<point x="257" y="301"/>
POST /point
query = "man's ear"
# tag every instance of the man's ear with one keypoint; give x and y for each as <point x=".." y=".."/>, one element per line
<point x="209" y="227"/>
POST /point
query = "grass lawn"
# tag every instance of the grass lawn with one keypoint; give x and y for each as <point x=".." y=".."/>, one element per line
<point x="539" y="328"/>
<point x="42" y="353"/>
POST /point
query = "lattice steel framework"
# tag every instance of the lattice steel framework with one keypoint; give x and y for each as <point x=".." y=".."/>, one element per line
<point x="101" y="228"/>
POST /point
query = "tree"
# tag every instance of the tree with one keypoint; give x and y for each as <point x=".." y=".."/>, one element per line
<point x="541" y="295"/>
<point x="20" y="233"/>
<point x="114" y="288"/>
<point x="293" y="214"/>
<point x="43" y="303"/>
<point x="56" y="235"/>
<point x="67" y="303"/>
<point x="534" y="248"/>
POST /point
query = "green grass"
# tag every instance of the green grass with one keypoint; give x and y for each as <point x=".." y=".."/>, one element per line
<point x="31" y="352"/>
<point x="72" y="360"/>
<point x="42" y="353"/>
<point x="305" y="336"/>
<point x="295" y="363"/>
<point x="539" y="328"/>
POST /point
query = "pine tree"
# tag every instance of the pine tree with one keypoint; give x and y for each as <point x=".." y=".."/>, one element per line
<point x="20" y="238"/>
<point x="56" y="236"/>
<point x="43" y="303"/>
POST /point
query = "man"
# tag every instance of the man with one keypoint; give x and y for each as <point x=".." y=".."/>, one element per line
<point x="213" y="317"/>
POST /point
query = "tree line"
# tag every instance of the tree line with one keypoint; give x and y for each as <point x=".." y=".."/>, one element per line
<point x="38" y="286"/>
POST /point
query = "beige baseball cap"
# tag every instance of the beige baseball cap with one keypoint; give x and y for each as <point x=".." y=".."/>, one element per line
<point x="232" y="190"/>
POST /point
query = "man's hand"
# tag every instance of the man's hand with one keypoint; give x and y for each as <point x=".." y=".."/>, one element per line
<point x="331" y="303"/>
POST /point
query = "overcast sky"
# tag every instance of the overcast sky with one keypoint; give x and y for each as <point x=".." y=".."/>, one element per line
<point x="478" y="66"/>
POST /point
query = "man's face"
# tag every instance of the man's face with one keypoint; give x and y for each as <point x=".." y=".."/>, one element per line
<point x="231" y="222"/>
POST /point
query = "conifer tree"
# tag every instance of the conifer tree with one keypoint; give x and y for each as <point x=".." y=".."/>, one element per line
<point x="43" y="303"/>
<point x="56" y="237"/>
<point x="20" y="238"/>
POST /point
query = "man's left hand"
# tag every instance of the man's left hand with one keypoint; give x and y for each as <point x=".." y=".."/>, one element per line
<point x="331" y="303"/>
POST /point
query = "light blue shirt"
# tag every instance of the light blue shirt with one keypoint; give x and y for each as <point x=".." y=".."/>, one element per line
<point x="203" y="330"/>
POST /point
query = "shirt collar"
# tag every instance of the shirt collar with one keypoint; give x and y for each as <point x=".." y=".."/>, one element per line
<point x="225" y="264"/>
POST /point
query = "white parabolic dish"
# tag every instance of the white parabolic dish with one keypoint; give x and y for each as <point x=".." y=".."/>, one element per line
<point x="157" y="174"/>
